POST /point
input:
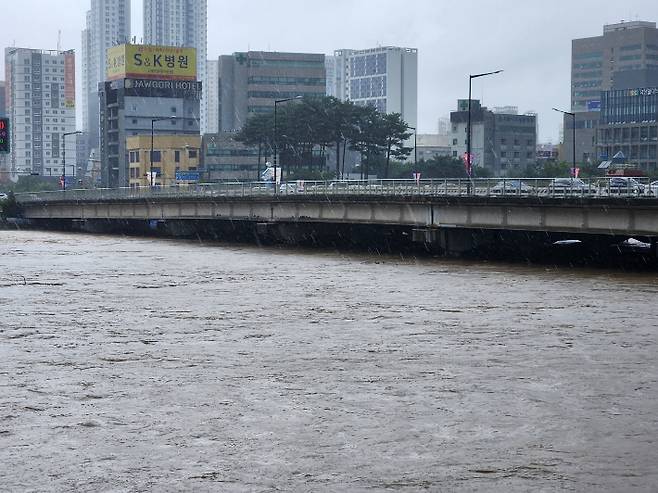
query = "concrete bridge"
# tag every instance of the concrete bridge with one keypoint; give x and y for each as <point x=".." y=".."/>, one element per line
<point x="437" y="212"/>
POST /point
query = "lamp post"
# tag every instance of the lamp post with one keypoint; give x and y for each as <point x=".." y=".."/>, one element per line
<point x="64" y="156"/>
<point x="469" y="168"/>
<point x="573" y="137"/>
<point x="153" y="120"/>
<point x="277" y="101"/>
<point x="415" y="148"/>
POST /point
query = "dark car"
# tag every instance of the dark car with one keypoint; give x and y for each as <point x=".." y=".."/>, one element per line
<point x="622" y="185"/>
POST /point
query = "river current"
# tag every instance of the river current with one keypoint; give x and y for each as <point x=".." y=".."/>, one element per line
<point x="132" y="364"/>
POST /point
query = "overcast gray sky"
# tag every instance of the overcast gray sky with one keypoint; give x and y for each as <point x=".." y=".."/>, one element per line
<point x="530" y="40"/>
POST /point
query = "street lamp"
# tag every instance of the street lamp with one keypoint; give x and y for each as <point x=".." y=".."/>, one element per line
<point x="277" y="101"/>
<point x="573" y="137"/>
<point x="415" y="148"/>
<point x="64" y="156"/>
<point x="153" y="120"/>
<point x="469" y="168"/>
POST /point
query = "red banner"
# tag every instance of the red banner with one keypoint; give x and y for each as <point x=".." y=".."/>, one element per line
<point x="467" y="166"/>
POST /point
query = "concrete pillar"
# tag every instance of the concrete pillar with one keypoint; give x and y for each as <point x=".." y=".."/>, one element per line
<point x="455" y="242"/>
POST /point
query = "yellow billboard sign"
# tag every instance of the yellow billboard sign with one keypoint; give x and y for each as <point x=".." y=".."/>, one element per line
<point x="151" y="62"/>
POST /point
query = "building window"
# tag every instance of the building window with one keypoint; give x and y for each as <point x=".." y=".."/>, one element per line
<point x="177" y="156"/>
<point x="157" y="156"/>
<point x="503" y="154"/>
<point x="192" y="153"/>
<point x="503" y="141"/>
<point x="454" y="142"/>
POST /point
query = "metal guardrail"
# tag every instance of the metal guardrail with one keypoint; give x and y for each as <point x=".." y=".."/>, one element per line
<point x="483" y="187"/>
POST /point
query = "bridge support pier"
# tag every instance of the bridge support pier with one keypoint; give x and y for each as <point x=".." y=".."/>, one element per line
<point x="453" y="242"/>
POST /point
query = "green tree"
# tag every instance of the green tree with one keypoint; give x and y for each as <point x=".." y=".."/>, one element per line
<point x="306" y="128"/>
<point x="397" y="133"/>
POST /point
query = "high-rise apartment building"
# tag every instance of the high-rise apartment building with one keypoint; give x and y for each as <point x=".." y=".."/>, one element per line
<point x="108" y="24"/>
<point x="211" y="95"/>
<point x="384" y="77"/>
<point x="182" y="23"/>
<point x="41" y="105"/>
<point x="250" y="82"/>
<point x="3" y="103"/>
<point x="604" y="63"/>
<point x="4" y="172"/>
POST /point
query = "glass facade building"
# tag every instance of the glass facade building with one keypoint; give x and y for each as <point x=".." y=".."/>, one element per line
<point x="629" y="125"/>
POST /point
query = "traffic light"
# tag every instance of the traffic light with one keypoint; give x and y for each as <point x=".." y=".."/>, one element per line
<point x="4" y="135"/>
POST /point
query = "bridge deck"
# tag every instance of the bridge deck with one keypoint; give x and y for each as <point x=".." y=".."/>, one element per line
<point x="417" y="207"/>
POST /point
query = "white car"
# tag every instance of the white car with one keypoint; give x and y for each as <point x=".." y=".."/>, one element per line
<point x="654" y="188"/>
<point x="3" y="196"/>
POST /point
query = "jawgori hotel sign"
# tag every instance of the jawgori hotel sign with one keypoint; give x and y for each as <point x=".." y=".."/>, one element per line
<point x="148" y="88"/>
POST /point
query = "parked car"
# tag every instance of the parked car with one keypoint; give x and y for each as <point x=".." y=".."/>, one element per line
<point x="570" y="185"/>
<point x="511" y="187"/>
<point x="623" y="184"/>
<point x="289" y="188"/>
<point x="3" y="196"/>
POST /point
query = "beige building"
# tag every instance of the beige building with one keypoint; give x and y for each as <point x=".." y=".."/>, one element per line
<point x="175" y="160"/>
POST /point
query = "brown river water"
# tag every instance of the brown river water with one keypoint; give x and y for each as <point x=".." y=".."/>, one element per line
<point x="138" y="364"/>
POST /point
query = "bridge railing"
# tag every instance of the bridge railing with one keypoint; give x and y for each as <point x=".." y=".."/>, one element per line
<point x="482" y="187"/>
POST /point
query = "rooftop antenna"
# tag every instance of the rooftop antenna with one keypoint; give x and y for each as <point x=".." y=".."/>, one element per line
<point x="59" y="40"/>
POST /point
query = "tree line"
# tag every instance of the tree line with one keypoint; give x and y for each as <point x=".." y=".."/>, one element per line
<point x="306" y="128"/>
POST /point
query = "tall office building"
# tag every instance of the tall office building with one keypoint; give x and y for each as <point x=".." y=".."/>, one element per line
<point x="604" y="63"/>
<point x="211" y="93"/>
<point x="594" y="61"/>
<point x="384" y="77"/>
<point x="108" y="24"/>
<point x="629" y="124"/>
<point x="250" y="82"/>
<point x="182" y="23"/>
<point x="41" y="105"/>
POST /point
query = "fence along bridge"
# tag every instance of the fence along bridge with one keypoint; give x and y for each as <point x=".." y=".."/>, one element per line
<point x="427" y="208"/>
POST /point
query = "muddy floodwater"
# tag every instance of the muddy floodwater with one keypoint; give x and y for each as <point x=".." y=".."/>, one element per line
<point x="131" y="364"/>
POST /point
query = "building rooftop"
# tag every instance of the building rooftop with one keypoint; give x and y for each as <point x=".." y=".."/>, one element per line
<point x="627" y="25"/>
<point x="379" y="49"/>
